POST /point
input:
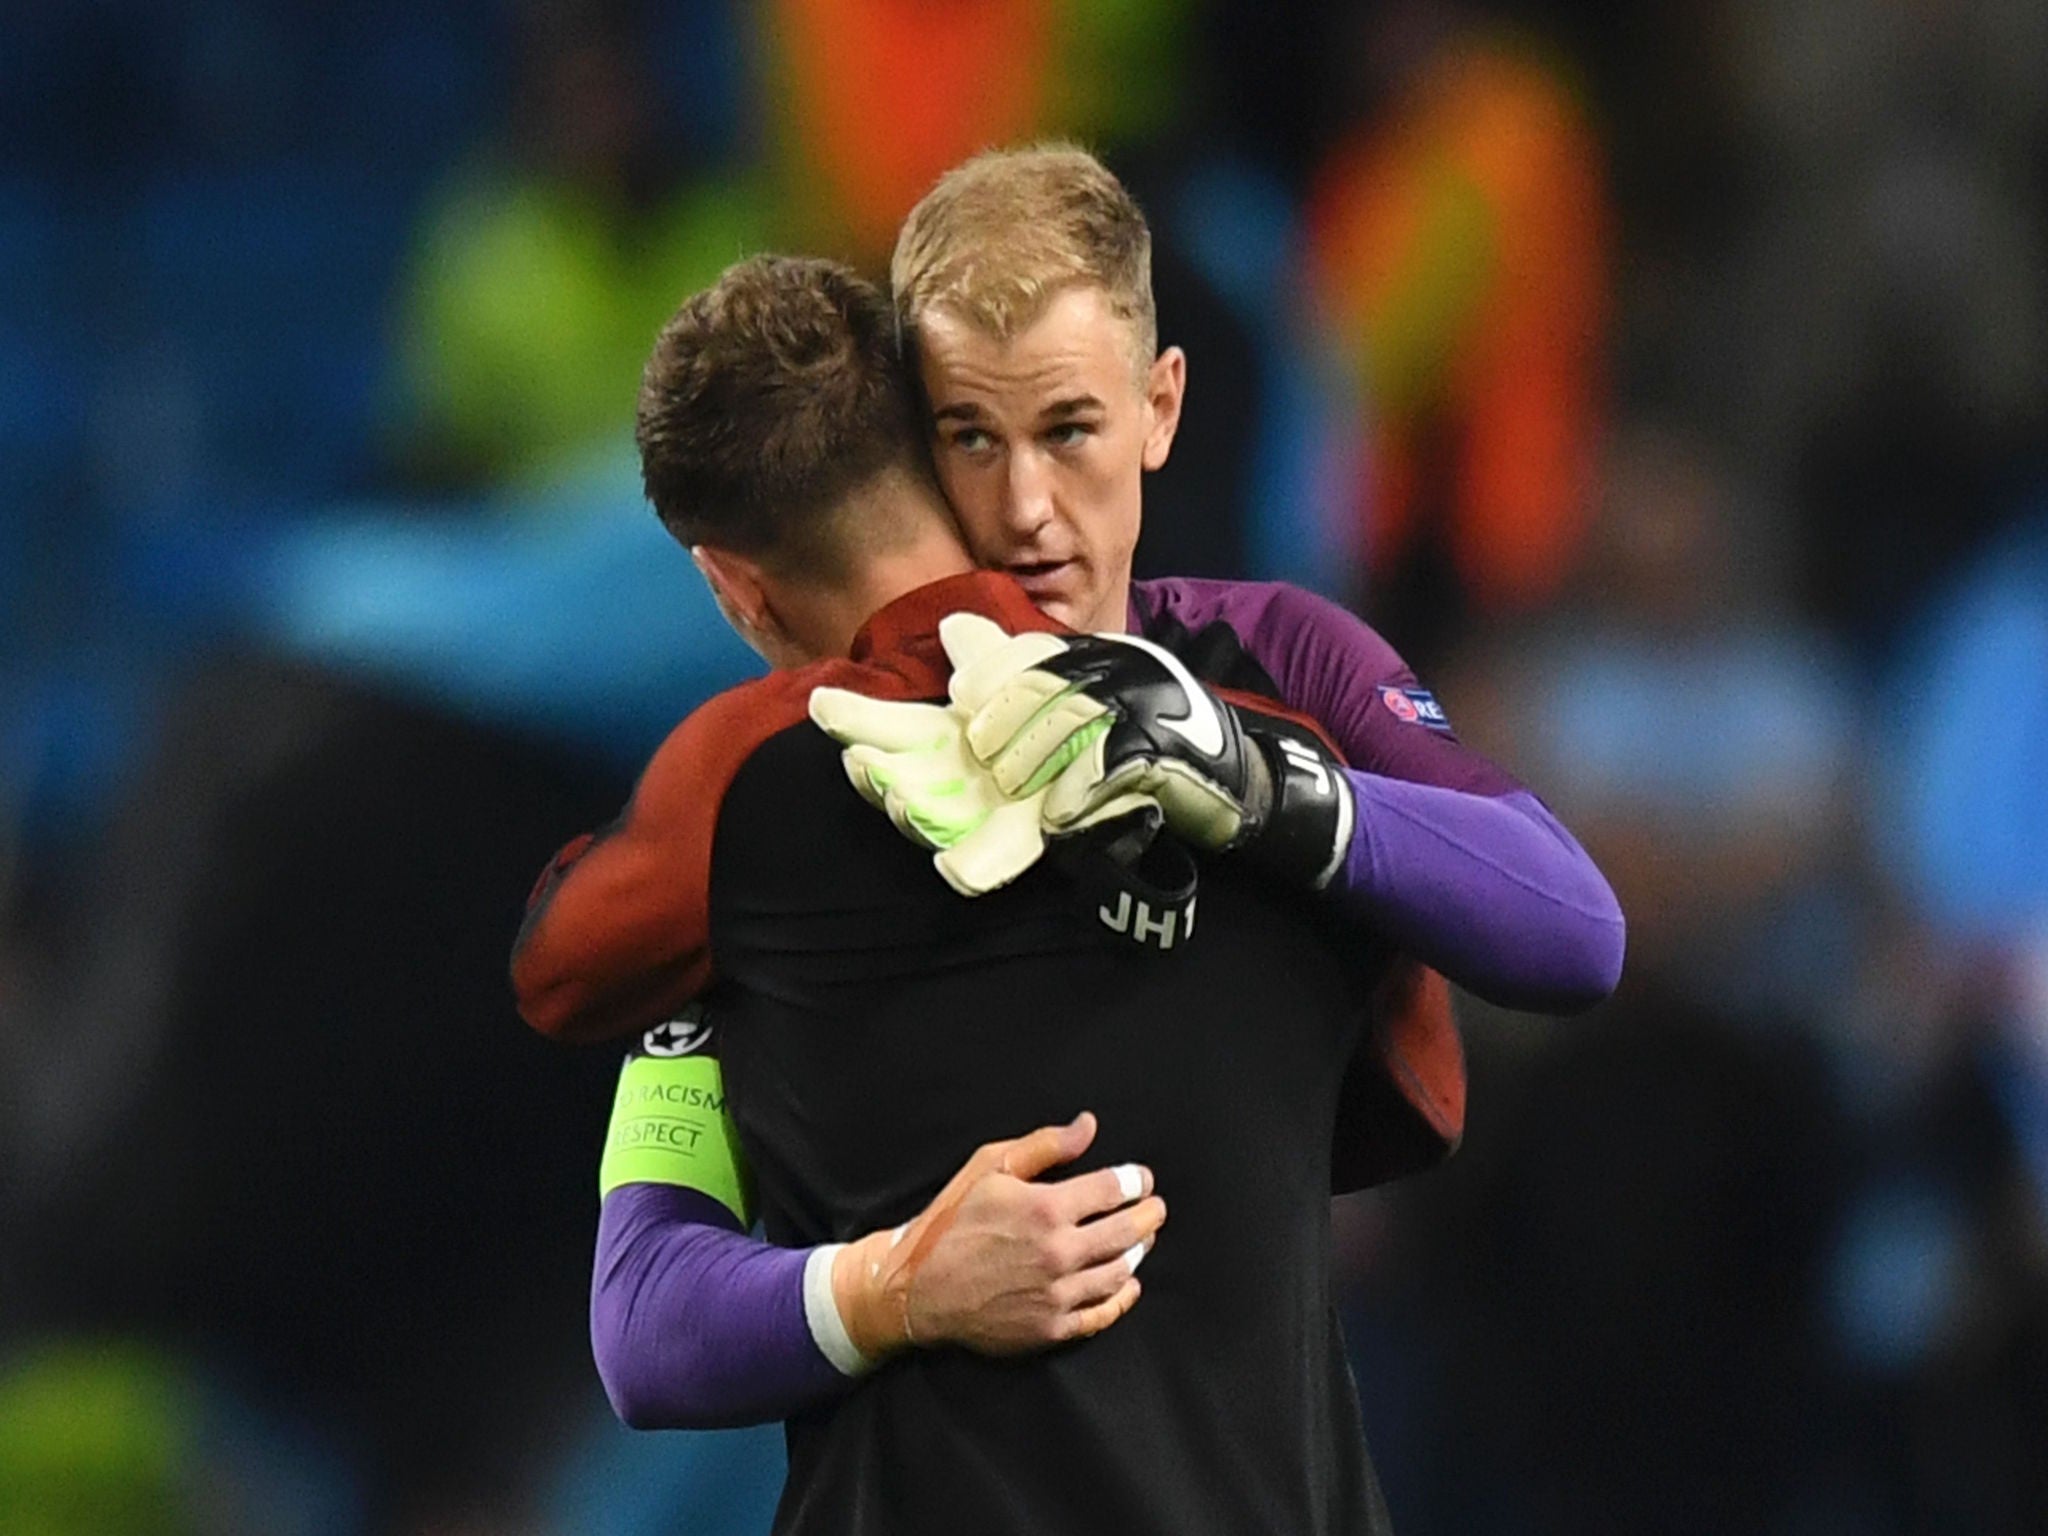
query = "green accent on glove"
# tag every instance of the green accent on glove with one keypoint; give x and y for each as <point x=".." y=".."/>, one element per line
<point x="670" y="1126"/>
<point x="996" y="728"/>
<point x="942" y="826"/>
<point x="1067" y="753"/>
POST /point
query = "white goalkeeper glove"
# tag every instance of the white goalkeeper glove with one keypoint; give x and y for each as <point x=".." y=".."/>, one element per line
<point x="1092" y="719"/>
<point x="911" y="761"/>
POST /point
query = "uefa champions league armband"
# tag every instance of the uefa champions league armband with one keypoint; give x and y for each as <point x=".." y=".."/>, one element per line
<point x="669" y="1121"/>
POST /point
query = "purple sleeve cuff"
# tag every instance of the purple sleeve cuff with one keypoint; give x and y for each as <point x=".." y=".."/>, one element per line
<point x="695" y="1325"/>
<point x="1488" y="889"/>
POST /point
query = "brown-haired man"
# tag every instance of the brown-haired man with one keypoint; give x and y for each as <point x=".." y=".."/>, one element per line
<point x="780" y="445"/>
<point x="779" y="442"/>
<point x="781" y="606"/>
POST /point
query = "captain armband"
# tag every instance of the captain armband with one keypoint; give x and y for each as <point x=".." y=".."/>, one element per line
<point x="670" y="1126"/>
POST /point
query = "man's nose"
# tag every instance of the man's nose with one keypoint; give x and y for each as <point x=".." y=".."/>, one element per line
<point x="1027" y="505"/>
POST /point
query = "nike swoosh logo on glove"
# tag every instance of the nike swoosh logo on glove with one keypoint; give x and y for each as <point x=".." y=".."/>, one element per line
<point x="1201" y="727"/>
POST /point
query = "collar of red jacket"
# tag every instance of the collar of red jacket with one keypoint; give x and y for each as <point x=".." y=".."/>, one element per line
<point x="915" y="615"/>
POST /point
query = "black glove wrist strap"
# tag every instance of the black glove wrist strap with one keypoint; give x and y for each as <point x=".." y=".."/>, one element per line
<point x="1136" y="883"/>
<point x="1307" y="827"/>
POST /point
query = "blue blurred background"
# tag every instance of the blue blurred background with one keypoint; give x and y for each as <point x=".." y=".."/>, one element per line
<point x="1670" y="383"/>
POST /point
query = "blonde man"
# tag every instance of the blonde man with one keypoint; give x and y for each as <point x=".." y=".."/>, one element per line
<point x="1022" y="286"/>
<point x="1023" y="283"/>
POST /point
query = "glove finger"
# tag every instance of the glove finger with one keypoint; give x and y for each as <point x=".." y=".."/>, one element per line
<point x="996" y="852"/>
<point x="998" y="718"/>
<point x="1198" y="811"/>
<point x="976" y="683"/>
<point x="854" y="718"/>
<point x="902" y="814"/>
<point x="1086" y="782"/>
<point x="968" y="637"/>
<point x="873" y="773"/>
<point x="1044" y="750"/>
<point x="868" y="771"/>
<point x="941" y="813"/>
<point x="1109" y="808"/>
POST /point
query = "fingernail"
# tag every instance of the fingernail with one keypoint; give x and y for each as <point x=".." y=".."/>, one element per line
<point x="1134" y="1256"/>
<point x="1130" y="1180"/>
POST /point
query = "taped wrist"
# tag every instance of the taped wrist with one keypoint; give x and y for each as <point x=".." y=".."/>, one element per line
<point x="868" y="1290"/>
<point x="821" y="1311"/>
<point x="1308" y="816"/>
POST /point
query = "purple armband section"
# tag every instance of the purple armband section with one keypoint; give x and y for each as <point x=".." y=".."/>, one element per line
<point x="1488" y="889"/>
<point x="695" y="1325"/>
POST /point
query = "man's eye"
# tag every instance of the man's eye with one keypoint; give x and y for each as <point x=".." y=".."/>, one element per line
<point x="971" y="440"/>
<point x="1069" y="433"/>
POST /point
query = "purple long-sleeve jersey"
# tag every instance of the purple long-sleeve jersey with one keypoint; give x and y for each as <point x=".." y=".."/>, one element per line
<point x="696" y="1323"/>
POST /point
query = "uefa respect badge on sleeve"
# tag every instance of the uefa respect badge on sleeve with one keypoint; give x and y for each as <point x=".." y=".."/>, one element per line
<point x="1415" y="706"/>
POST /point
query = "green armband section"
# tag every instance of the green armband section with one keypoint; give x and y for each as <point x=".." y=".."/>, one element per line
<point x="670" y="1126"/>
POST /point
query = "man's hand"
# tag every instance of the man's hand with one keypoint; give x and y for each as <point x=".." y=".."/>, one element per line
<point x="1001" y="1264"/>
<point x="1093" y="719"/>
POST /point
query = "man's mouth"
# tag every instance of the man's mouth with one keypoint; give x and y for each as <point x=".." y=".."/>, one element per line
<point x="1036" y="576"/>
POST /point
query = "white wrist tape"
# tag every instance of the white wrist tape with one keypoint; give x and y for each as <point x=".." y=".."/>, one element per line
<point x="821" y="1311"/>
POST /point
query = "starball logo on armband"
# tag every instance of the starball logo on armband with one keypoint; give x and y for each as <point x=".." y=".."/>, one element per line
<point x="688" y="1032"/>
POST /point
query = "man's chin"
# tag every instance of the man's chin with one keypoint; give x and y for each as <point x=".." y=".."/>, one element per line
<point x="1054" y="593"/>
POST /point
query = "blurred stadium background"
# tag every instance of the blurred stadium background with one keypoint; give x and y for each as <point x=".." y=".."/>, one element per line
<point x="1669" y="381"/>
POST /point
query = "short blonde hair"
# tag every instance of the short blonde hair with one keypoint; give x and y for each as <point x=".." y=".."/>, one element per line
<point x="1000" y="236"/>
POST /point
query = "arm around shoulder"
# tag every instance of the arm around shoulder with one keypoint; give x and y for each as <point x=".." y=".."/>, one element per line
<point x="1449" y="853"/>
<point x="617" y="934"/>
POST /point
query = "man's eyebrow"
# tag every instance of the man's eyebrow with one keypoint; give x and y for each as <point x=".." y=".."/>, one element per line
<point x="1073" y="405"/>
<point x="962" y="410"/>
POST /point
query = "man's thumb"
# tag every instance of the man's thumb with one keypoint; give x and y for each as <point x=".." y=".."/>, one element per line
<point x="967" y="637"/>
<point x="1050" y="1145"/>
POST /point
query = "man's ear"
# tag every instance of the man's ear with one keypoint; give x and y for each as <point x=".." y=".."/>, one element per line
<point x="738" y="587"/>
<point x="1166" y="383"/>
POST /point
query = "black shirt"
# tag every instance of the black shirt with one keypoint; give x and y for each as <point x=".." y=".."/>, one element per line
<point x="876" y="1029"/>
